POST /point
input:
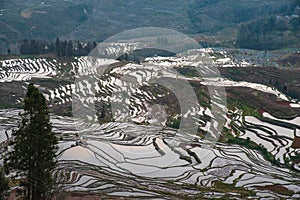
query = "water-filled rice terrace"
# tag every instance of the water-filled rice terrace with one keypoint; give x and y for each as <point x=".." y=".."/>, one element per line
<point x="134" y="150"/>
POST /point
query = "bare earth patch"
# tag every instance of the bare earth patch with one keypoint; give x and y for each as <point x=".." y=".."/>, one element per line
<point x="276" y="188"/>
<point x="296" y="143"/>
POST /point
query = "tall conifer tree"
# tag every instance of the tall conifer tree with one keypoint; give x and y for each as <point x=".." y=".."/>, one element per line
<point x="34" y="147"/>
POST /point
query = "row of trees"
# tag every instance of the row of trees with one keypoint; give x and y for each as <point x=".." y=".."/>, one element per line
<point x="34" y="146"/>
<point x="61" y="48"/>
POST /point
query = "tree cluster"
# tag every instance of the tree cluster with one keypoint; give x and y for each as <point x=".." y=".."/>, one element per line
<point x="60" y="48"/>
<point x="268" y="33"/>
<point x="272" y="32"/>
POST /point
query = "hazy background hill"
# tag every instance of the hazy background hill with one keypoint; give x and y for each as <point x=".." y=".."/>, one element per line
<point x="268" y="24"/>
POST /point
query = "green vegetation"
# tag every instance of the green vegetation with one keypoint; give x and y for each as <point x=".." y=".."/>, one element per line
<point x="278" y="123"/>
<point x="276" y="188"/>
<point x="269" y="33"/>
<point x="292" y="160"/>
<point x="248" y="108"/>
<point x="60" y="48"/>
<point x="104" y="112"/>
<point x="219" y="186"/>
<point x="251" y="101"/>
<point x="252" y="145"/>
<point x="138" y="55"/>
<point x="229" y="138"/>
<point x="188" y="71"/>
<point x="6" y="105"/>
<point x="175" y="123"/>
<point x="34" y="147"/>
<point x="284" y="79"/>
<point x="216" y="22"/>
<point x="3" y="184"/>
<point x="202" y="93"/>
<point x="8" y="96"/>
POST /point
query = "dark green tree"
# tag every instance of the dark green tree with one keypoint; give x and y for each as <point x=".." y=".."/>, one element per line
<point x="69" y="49"/>
<point x="34" y="147"/>
<point x="94" y="45"/>
<point x="79" y="49"/>
<point x="35" y="47"/>
<point x="63" y="48"/>
<point x="88" y="48"/>
<point x="57" y="47"/>
<point x="25" y="47"/>
<point x="3" y="183"/>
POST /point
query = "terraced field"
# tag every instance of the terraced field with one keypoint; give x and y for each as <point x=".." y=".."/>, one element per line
<point x="123" y="140"/>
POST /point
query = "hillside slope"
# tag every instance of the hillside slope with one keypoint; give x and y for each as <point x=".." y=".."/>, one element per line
<point x="97" y="20"/>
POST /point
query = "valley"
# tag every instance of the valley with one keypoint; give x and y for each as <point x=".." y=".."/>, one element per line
<point x="133" y="145"/>
<point x="149" y="99"/>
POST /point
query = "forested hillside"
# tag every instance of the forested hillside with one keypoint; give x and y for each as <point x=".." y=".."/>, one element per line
<point x="271" y="24"/>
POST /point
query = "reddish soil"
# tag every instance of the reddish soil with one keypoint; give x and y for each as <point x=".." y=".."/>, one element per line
<point x="261" y="111"/>
<point x="284" y="103"/>
<point x="81" y="195"/>
<point x="296" y="143"/>
<point x="276" y="188"/>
